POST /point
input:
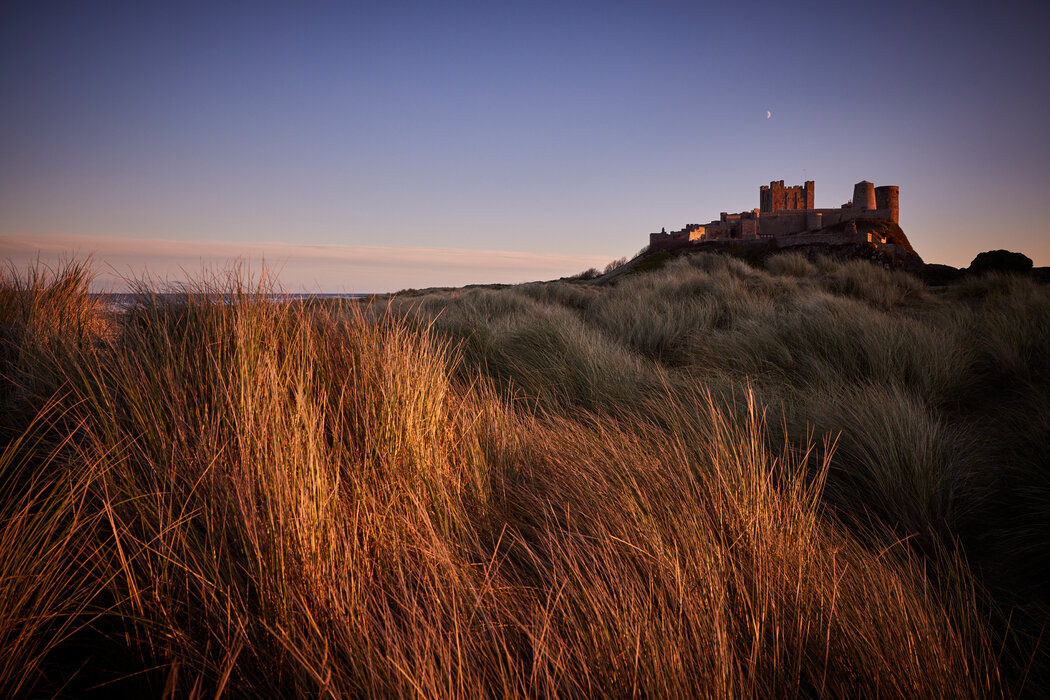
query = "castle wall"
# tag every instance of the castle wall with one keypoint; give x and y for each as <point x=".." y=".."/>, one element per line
<point x="782" y="224"/>
<point x="830" y="217"/>
<point x="818" y="238"/>
<point x="721" y="229"/>
<point x="786" y="223"/>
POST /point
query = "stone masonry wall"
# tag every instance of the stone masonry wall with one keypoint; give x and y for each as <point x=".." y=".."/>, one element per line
<point x="775" y="197"/>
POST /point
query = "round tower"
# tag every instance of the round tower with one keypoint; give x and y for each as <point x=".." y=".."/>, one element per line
<point x="864" y="195"/>
<point x="887" y="197"/>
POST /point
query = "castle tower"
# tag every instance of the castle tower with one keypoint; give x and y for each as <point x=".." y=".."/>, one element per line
<point x="864" y="196"/>
<point x="810" y="193"/>
<point x="771" y="197"/>
<point x="888" y="197"/>
<point x="775" y="197"/>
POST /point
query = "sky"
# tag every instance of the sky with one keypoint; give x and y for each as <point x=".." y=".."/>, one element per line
<point x="374" y="146"/>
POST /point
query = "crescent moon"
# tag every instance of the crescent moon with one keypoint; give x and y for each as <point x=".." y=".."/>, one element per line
<point x="768" y="114"/>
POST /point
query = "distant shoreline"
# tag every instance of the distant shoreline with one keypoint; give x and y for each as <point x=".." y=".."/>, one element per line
<point x="120" y="301"/>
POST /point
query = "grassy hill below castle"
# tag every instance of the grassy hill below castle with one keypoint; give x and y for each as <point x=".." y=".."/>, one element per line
<point x="708" y="478"/>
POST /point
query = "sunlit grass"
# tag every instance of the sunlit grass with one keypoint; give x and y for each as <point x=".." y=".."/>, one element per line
<point x="710" y="480"/>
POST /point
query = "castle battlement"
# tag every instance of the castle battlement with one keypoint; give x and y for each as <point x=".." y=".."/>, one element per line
<point x="786" y="212"/>
<point x="776" y="197"/>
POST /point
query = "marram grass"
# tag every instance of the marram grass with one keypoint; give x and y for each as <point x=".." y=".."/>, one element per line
<point x="536" y="491"/>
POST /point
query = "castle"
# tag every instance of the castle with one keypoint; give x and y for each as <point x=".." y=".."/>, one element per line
<point x="787" y="215"/>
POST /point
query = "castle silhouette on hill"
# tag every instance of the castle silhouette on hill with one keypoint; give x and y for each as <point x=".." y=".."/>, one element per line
<point x="787" y="216"/>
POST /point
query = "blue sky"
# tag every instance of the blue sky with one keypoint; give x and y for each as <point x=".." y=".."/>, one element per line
<point x="375" y="146"/>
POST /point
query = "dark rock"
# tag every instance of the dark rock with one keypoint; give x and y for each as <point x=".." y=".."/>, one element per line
<point x="1000" y="261"/>
<point x="937" y="275"/>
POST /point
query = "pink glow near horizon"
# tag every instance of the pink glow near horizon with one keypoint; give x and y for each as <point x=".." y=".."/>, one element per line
<point x="298" y="267"/>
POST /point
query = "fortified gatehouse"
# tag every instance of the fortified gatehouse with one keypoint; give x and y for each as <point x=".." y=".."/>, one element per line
<point x="785" y="213"/>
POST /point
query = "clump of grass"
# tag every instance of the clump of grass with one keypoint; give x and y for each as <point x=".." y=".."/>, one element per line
<point x="46" y="317"/>
<point x="832" y="339"/>
<point x="877" y="286"/>
<point x="44" y="305"/>
<point x="896" y="458"/>
<point x="572" y="296"/>
<point x="710" y="570"/>
<point x="49" y="577"/>
<point x="670" y="315"/>
<point x="279" y="471"/>
<point x="790" y="264"/>
<point x="539" y="345"/>
<point x="652" y="261"/>
<point x="554" y="356"/>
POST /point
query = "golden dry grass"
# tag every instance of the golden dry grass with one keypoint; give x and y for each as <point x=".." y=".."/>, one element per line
<point x="708" y="481"/>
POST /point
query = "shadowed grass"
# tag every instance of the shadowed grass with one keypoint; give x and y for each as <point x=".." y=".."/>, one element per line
<point x="49" y="573"/>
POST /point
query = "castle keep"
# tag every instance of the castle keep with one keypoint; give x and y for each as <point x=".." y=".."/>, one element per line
<point x="788" y="215"/>
<point x="776" y="197"/>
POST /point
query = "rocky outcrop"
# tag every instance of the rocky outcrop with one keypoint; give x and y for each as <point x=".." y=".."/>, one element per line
<point x="1000" y="261"/>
